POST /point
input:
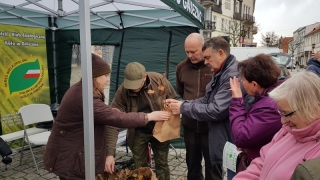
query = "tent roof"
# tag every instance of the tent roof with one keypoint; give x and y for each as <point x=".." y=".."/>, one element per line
<point x="115" y="14"/>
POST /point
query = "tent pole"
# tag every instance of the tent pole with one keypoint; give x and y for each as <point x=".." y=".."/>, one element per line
<point x="54" y="56"/>
<point x="119" y="58"/>
<point x="168" y="53"/>
<point x="87" y="91"/>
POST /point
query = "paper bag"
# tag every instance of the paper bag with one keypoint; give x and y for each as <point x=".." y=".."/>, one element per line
<point x="167" y="130"/>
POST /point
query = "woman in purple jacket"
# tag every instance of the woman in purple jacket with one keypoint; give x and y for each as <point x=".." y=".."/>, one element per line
<point x="253" y="128"/>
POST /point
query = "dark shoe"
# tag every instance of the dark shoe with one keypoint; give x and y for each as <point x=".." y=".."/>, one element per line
<point x="6" y="160"/>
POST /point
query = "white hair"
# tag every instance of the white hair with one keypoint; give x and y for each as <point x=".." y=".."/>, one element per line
<point x="302" y="92"/>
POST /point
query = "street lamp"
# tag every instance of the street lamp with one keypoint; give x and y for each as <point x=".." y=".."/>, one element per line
<point x="267" y="41"/>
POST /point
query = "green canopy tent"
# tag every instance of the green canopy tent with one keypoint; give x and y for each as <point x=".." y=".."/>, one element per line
<point x="150" y="33"/>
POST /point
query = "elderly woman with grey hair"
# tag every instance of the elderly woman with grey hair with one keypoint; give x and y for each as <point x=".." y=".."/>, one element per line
<point x="298" y="101"/>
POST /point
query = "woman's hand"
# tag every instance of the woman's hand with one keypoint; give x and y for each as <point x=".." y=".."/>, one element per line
<point x="235" y="87"/>
<point x="158" y="116"/>
<point x="109" y="166"/>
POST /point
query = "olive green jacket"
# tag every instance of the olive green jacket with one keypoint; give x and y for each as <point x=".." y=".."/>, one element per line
<point x="308" y="170"/>
<point x="127" y="101"/>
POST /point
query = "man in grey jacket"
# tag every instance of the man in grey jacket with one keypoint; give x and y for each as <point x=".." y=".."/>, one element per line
<point x="214" y="106"/>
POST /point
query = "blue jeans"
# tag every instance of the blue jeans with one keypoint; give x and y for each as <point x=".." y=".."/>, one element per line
<point x="230" y="174"/>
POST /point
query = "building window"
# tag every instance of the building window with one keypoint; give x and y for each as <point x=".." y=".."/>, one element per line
<point x="309" y="40"/>
<point x="237" y="7"/>
<point x="227" y="4"/>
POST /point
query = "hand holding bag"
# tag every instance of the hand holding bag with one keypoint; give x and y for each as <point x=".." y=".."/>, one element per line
<point x="242" y="162"/>
<point x="167" y="130"/>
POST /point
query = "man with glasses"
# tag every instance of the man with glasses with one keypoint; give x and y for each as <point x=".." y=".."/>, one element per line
<point x="144" y="91"/>
<point x="213" y="107"/>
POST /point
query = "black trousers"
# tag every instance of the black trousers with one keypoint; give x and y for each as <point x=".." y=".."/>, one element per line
<point x="197" y="147"/>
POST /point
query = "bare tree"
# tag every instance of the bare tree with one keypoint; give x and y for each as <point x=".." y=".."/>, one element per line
<point x="235" y="31"/>
<point x="273" y="39"/>
<point x="292" y="46"/>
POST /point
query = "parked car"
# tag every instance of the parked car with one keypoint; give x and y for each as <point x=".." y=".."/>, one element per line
<point x="242" y="53"/>
<point x="290" y="65"/>
<point x="282" y="60"/>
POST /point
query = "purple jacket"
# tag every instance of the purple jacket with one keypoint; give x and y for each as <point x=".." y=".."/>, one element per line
<point x="251" y="129"/>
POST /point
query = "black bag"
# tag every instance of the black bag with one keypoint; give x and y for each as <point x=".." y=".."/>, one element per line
<point x="4" y="148"/>
<point x="5" y="151"/>
<point x="242" y="162"/>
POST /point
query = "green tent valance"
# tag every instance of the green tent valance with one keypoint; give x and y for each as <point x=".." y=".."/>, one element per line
<point x="190" y="9"/>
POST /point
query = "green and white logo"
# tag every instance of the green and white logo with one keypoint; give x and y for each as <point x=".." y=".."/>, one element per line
<point x="24" y="76"/>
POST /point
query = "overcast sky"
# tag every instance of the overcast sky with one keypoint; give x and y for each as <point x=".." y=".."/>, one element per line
<point x="281" y="16"/>
<point x="285" y="16"/>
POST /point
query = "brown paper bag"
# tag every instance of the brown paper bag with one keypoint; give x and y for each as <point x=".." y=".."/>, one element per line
<point x="167" y="130"/>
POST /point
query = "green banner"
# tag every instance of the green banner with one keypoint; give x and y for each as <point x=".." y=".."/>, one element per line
<point x="190" y="9"/>
<point x="23" y="73"/>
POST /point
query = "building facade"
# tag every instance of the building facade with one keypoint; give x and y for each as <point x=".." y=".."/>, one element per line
<point x="232" y="19"/>
<point x="312" y="41"/>
<point x="248" y="22"/>
<point x="303" y="51"/>
<point x="285" y="44"/>
<point x="209" y="23"/>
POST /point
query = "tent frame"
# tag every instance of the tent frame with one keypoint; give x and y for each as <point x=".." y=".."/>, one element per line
<point x="87" y="19"/>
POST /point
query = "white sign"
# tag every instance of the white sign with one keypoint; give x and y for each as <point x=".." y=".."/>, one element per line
<point x="190" y="7"/>
<point x="230" y="155"/>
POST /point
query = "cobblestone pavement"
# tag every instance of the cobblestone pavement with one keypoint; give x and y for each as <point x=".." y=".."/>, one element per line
<point x="27" y="171"/>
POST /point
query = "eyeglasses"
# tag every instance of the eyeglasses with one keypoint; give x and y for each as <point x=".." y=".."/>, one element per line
<point x="285" y="116"/>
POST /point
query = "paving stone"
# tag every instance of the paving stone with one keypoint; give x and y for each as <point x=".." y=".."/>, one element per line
<point x="27" y="170"/>
<point x="18" y="174"/>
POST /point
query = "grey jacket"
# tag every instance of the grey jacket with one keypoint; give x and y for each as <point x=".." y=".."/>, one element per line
<point x="214" y="108"/>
